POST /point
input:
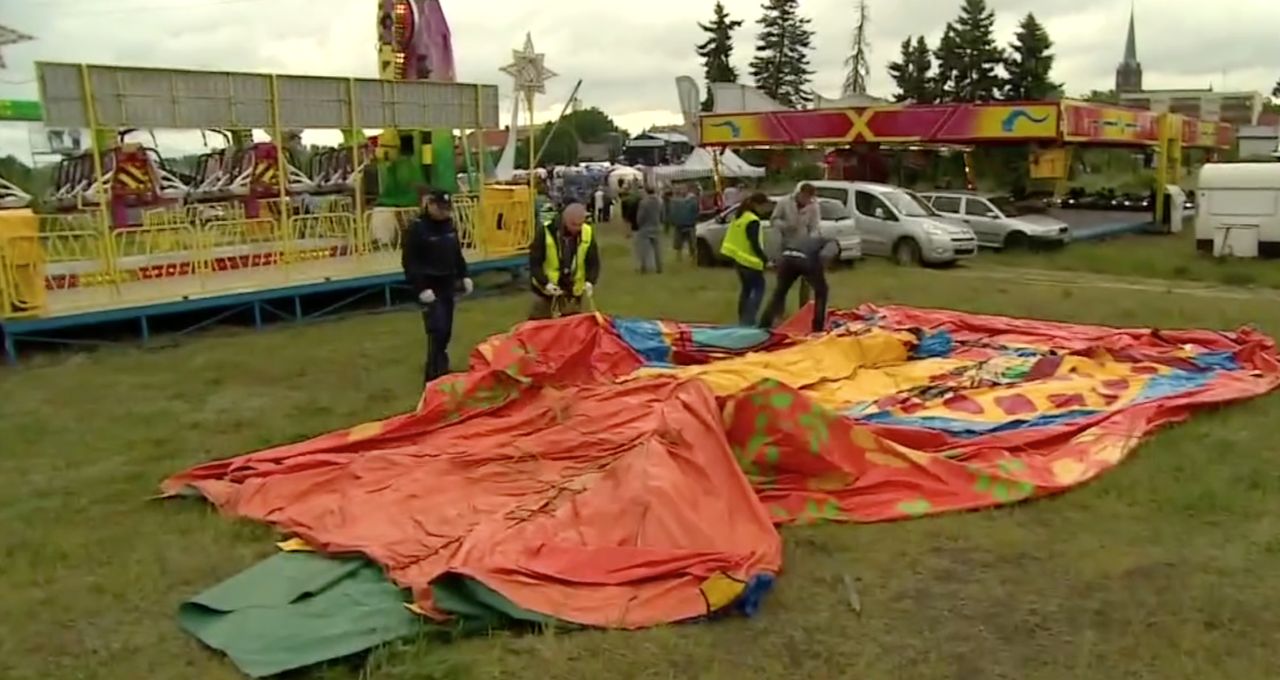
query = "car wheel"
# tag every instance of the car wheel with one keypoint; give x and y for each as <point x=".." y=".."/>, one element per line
<point x="1016" y="240"/>
<point x="705" y="258"/>
<point x="906" y="253"/>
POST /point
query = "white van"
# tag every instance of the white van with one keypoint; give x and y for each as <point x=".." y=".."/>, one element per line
<point x="896" y="223"/>
<point x="1238" y="210"/>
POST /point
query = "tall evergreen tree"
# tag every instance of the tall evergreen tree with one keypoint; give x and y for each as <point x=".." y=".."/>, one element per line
<point x="781" y="65"/>
<point x="976" y="55"/>
<point x="948" y="64"/>
<point x="1275" y="92"/>
<point x="913" y="72"/>
<point x="1029" y="64"/>
<point x="717" y="51"/>
<point x="901" y="71"/>
<point x="922" y="66"/>
<point x="856" y="65"/>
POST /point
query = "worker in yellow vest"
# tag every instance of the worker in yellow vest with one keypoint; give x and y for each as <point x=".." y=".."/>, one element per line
<point x="744" y="244"/>
<point x="564" y="263"/>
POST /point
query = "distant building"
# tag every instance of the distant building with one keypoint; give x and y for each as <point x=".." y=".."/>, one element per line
<point x="1259" y="141"/>
<point x="657" y="148"/>
<point x="1236" y="108"/>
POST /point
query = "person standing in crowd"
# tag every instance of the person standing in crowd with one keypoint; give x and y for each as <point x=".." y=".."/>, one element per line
<point x="544" y="207"/>
<point x="797" y="218"/>
<point x="684" y="217"/>
<point x="564" y="263"/>
<point x="732" y="194"/>
<point x="435" y="267"/>
<point x="597" y="201"/>
<point x="648" y="236"/>
<point x="667" y="224"/>
<point x="628" y="205"/>
<point x="806" y="259"/>
<point x="744" y="244"/>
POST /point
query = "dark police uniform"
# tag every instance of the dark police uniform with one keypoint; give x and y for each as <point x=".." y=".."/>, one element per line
<point x="431" y="255"/>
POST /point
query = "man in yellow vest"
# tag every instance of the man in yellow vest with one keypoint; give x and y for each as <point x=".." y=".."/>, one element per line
<point x="564" y="263"/>
<point x="744" y="244"/>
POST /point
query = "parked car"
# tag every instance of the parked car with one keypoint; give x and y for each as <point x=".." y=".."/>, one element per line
<point x="896" y="223"/>
<point x="998" y="221"/>
<point x="835" y="223"/>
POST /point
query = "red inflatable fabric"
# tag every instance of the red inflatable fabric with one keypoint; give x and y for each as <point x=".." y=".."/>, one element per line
<point x="579" y="486"/>
<point x="602" y="504"/>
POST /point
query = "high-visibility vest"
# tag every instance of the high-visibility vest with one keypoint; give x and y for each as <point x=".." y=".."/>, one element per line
<point x="551" y="263"/>
<point x="736" y="245"/>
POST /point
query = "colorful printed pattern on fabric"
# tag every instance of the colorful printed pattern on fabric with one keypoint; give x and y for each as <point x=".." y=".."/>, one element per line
<point x="584" y="467"/>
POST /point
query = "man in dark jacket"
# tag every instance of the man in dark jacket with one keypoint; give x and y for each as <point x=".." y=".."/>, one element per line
<point x="806" y="258"/>
<point x="564" y="263"/>
<point x="434" y="267"/>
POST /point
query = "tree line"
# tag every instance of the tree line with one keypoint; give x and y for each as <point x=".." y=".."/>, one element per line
<point x="967" y="65"/>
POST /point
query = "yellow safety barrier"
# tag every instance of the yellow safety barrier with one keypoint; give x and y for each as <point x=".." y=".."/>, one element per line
<point x="507" y="217"/>
<point x="152" y="242"/>
<point x="21" y="265"/>
<point x="71" y="264"/>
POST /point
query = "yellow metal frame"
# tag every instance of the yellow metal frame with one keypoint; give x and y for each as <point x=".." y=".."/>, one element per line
<point x="1168" y="159"/>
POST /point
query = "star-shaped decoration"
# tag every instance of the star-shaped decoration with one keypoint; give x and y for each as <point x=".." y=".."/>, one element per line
<point x="528" y="68"/>
<point x="8" y="36"/>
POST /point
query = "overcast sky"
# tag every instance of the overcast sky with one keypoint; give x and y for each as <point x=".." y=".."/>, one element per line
<point x="627" y="53"/>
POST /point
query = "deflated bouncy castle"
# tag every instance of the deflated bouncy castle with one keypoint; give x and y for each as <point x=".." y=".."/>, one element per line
<point x="609" y="472"/>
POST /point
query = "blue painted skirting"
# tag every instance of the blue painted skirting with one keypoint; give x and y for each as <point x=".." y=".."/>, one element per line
<point x="222" y="306"/>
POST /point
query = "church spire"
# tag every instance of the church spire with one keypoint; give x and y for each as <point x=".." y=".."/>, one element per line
<point x="1131" y="44"/>
<point x="1129" y="73"/>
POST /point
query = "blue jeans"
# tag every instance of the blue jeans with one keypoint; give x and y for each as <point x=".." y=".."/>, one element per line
<point x="751" y="295"/>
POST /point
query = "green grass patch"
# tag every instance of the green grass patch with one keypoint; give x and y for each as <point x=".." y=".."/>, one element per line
<point x="1151" y="256"/>
<point x="1157" y="570"/>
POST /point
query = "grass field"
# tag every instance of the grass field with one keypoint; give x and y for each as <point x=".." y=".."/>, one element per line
<point x="1149" y="256"/>
<point x="1162" y="569"/>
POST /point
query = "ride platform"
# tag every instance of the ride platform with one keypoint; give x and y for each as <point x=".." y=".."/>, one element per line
<point x="306" y="291"/>
<point x="64" y="282"/>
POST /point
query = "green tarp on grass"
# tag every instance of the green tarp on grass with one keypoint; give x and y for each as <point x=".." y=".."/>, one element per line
<point x="296" y="609"/>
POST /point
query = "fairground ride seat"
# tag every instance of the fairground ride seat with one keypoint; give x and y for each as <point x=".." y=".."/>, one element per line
<point x="12" y="197"/>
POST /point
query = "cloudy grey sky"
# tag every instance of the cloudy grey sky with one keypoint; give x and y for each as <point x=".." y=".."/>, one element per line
<point x="627" y="53"/>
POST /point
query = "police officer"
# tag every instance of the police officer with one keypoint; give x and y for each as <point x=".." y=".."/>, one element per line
<point x="434" y="267"/>
<point x="564" y="263"/>
<point x="805" y="258"/>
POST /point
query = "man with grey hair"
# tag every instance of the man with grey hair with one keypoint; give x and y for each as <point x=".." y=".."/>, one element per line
<point x="796" y="219"/>
<point x="564" y="264"/>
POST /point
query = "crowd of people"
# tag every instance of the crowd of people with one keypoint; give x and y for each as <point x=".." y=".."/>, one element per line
<point x="565" y="265"/>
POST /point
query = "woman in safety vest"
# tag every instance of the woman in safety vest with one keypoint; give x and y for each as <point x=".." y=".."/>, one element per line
<point x="744" y="244"/>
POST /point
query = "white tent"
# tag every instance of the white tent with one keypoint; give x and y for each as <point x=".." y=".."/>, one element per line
<point x="700" y="164"/>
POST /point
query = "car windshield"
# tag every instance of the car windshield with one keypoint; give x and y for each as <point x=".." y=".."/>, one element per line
<point x="1006" y="205"/>
<point x="908" y="204"/>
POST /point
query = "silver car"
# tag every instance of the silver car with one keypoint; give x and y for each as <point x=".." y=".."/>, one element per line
<point x="896" y="223"/>
<point x="835" y="223"/>
<point x="998" y="222"/>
